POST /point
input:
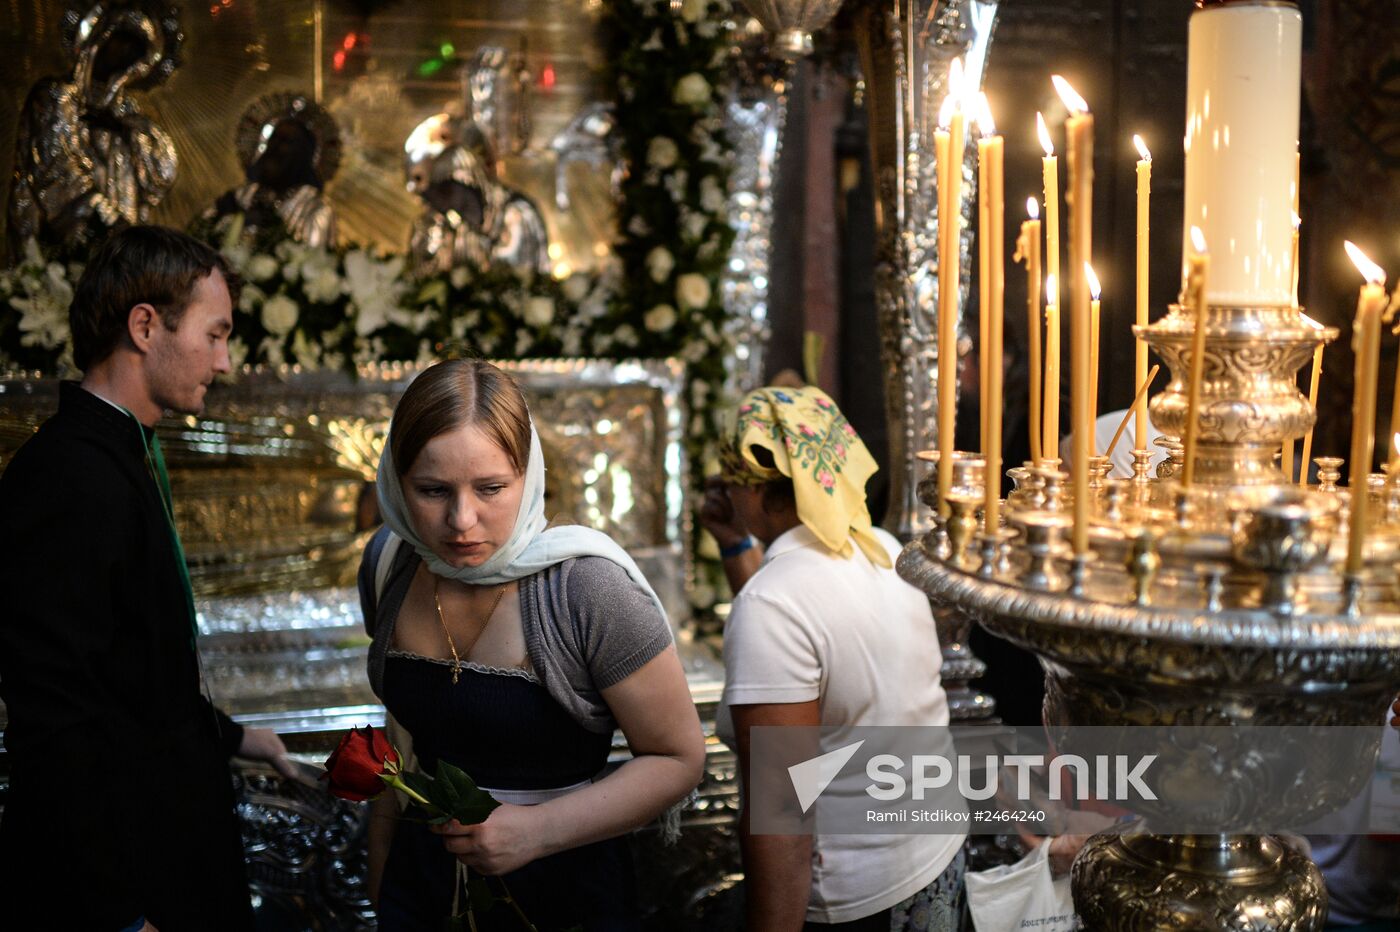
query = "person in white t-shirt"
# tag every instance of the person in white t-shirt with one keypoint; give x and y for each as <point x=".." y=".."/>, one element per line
<point x="824" y="633"/>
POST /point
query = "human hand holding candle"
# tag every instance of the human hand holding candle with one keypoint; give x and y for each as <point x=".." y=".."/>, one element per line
<point x="1370" y="305"/>
<point x="1144" y="192"/>
<point x="1028" y="251"/>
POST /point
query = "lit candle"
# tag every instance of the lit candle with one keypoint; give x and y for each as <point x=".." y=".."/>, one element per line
<point x="1366" y="338"/>
<point x="1198" y="269"/>
<point x="948" y="145"/>
<point x="1028" y="251"/>
<point x="1050" y="438"/>
<point x="1079" y="131"/>
<point x="1312" y="401"/>
<point x="1095" y="290"/>
<point x="1144" y="193"/>
<point x="990" y="151"/>
<point x="1050" y="171"/>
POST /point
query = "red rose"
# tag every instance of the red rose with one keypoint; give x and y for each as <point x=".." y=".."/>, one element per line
<point x="353" y="770"/>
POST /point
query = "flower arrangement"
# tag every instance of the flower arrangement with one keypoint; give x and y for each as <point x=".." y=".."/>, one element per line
<point x="659" y="297"/>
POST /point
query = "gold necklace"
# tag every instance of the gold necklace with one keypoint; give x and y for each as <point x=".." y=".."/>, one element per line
<point x="457" y="660"/>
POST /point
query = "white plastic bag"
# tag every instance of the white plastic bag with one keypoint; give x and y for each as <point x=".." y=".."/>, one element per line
<point x="1021" y="896"/>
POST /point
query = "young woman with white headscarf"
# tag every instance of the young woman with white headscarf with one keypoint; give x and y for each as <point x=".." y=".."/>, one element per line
<point x="512" y="650"/>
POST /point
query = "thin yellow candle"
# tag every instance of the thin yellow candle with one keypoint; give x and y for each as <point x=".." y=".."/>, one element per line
<point x="1312" y="402"/>
<point x="991" y="151"/>
<point x="1095" y="291"/>
<point x="948" y="147"/>
<point x="1050" y="171"/>
<point x="1144" y="194"/>
<point x="1198" y="268"/>
<point x="1079" y="132"/>
<point x="1366" y="337"/>
<point x="1050" y="439"/>
<point x="1028" y="251"/>
<point x="984" y="282"/>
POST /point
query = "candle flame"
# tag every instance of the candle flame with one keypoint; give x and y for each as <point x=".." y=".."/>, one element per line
<point x="1198" y="241"/>
<point x="1043" y="132"/>
<point x="955" y="80"/>
<point x="1069" y="95"/>
<point x="1033" y="208"/>
<point x="1373" y="273"/>
<point x="1052" y="291"/>
<point x="1142" y="148"/>
<point x="985" y="122"/>
<point x="945" y="113"/>
<point x="1095" y="289"/>
<point x="1297" y="222"/>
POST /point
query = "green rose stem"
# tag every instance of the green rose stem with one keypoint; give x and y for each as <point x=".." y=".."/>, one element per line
<point x="392" y="779"/>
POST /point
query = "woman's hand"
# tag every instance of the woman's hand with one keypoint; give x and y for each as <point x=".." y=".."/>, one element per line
<point x="510" y="838"/>
<point x="718" y="517"/>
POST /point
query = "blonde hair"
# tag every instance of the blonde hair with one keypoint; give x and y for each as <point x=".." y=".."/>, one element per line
<point x="454" y="394"/>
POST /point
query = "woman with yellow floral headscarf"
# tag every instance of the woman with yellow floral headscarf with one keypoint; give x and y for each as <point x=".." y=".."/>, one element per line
<point x="823" y="632"/>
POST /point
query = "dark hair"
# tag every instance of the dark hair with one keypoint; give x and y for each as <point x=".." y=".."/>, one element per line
<point x="453" y="394"/>
<point x="138" y="265"/>
<point x="778" y="494"/>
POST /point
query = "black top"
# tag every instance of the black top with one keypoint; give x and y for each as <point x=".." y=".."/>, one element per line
<point x="119" y="776"/>
<point x="502" y="728"/>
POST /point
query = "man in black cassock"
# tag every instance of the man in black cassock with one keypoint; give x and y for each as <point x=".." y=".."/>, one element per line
<point x="120" y="795"/>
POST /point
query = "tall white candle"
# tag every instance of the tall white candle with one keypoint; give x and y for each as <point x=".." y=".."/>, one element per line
<point x="1242" y="99"/>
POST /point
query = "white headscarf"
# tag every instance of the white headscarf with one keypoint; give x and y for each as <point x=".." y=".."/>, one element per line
<point x="533" y="545"/>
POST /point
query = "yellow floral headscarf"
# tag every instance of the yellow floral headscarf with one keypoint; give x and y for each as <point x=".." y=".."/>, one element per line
<point x="813" y="445"/>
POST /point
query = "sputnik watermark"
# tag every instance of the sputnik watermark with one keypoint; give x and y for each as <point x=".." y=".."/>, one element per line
<point x="1180" y="779"/>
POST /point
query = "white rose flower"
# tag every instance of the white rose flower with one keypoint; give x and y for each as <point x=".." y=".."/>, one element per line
<point x="660" y="318"/>
<point x="576" y="287"/>
<point x="237" y="353"/>
<point x="523" y="342"/>
<point x="660" y="262"/>
<point x="460" y="277"/>
<point x="692" y="11"/>
<point x="261" y="267"/>
<point x="249" y="298"/>
<point x="573" y="343"/>
<point x="691" y="91"/>
<point x="692" y="291"/>
<point x="270" y="349"/>
<point x="539" y="311"/>
<point x="693" y="226"/>
<point x="325" y="288"/>
<point x="625" y="335"/>
<point x="637" y="226"/>
<point x="662" y="152"/>
<point x="711" y="197"/>
<point x="279" y="314"/>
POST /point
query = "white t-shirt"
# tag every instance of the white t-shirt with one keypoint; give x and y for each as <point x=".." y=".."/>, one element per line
<point x="860" y="640"/>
